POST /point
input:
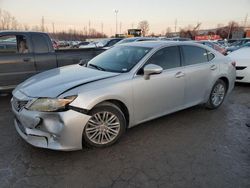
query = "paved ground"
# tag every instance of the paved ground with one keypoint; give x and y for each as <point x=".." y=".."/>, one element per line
<point x="191" y="148"/>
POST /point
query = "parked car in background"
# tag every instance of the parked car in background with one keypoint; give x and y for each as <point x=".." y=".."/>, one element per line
<point x="94" y="103"/>
<point x="104" y="43"/>
<point x="234" y="48"/>
<point x="237" y="45"/>
<point x="55" y="44"/>
<point x="223" y="43"/>
<point x="136" y="39"/>
<point x="177" y="39"/>
<point x="81" y="44"/>
<point x="30" y="53"/>
<point x="242" y="59"/>
<point x="214" y="46"/>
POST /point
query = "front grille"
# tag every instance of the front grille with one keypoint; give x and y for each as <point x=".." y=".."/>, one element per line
<point x="240" y="67"/>
<point x="18" y="104"/>
<point x="239" y="77"/>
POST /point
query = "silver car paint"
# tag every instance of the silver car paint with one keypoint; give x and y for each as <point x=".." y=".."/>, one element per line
<point x="144" y="99"/>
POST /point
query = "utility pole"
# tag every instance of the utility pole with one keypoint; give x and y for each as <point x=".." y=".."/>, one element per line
<point x="42" y="24"/>
<point x="230" y="28"/>
<point x="53" y="27"/>
<point x="245" y="21"/>
<point x="175" y="25"/>
<point x="89" y="26"/>
<point x="116" y="13"/>
<point x="102" y="28"/>
<point x="120" y="27"/>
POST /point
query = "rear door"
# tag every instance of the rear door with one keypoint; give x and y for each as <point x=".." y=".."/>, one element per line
<point x="200" y="70"/>
<point x="45" y="57"/>
<point x="16" y="60"/>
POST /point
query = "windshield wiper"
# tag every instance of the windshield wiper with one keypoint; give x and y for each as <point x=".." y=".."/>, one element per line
<point x="97" y="67"/>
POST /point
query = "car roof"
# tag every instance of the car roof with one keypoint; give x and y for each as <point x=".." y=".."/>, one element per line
<point x="10" y="32"/>
<point x="158" y="44"/>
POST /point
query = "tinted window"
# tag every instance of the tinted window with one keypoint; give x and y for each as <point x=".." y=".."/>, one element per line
<point x="194" y="55"/>
<point x="40" y="44"/>
<point x="167" y="58"/>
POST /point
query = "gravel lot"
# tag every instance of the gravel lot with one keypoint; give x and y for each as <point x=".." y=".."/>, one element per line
<point x="192" y="148"/>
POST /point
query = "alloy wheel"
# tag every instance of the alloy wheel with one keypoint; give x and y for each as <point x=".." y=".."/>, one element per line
<point x="218" y="94"/>
<point x="102" y="128"/>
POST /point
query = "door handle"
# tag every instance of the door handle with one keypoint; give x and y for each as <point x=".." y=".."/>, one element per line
<point x="27" y="59"/>
<point x="213" y="67"/>
<point x="179" y="75"/>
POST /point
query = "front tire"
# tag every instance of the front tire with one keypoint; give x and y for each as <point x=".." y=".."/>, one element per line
<point x="217" y="95"/>
<point x="105" y="127"/>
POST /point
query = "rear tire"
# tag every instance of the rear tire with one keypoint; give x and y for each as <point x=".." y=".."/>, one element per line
<point x="105" y="127"/>
<point x="217" y="95"/>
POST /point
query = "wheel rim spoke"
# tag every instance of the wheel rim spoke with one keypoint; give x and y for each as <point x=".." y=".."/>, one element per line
<point x="102" y="128"/>
<point x="218" y="94"/>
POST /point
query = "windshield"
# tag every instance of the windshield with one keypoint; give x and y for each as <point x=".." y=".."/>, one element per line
<point x="119" y="59"/>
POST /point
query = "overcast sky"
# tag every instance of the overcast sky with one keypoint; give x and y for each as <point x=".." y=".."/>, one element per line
<point x="159" y="13"/>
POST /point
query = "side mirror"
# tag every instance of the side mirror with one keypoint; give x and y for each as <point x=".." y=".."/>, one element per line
<point x="83" y="62"/>
<point x="151" y="69"/>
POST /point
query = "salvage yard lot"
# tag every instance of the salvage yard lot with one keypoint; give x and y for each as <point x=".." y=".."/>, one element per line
<point x="192" y="148"/>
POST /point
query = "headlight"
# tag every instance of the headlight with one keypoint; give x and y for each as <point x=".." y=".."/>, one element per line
<point x="50" y="104"/>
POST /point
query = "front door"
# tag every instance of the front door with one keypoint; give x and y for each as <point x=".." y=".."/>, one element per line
<point x="162" y="93"/>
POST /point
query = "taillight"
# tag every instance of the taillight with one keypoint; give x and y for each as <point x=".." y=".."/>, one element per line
<point x="234" y="63"/>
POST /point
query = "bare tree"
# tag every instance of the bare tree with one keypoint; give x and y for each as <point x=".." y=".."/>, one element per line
<point x="144" y="26"/>
<point x="7" y="21"/>
<point x="190" y="31"/>
<point x="14" y="23"/>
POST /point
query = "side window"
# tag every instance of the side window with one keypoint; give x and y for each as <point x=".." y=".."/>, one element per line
<point x="40" y="43"/>
<point x="167" y="58"/>
<point x="22" y="44"/>
<point x="210" y="56"/>
<point x="194" y="55"/>
<point x="13" y="44"/>
<point x="8" y="44"/>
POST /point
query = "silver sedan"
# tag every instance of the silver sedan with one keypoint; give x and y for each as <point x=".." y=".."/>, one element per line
<point x="94" y="103"/>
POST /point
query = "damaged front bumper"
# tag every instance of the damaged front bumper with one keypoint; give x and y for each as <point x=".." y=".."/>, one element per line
<point x="51" y="130"/>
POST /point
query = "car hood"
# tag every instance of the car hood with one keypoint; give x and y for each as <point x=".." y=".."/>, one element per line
<point x="54" y="82"/>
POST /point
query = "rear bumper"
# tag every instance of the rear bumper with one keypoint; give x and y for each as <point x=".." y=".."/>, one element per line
<point x="56" y="131"/>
